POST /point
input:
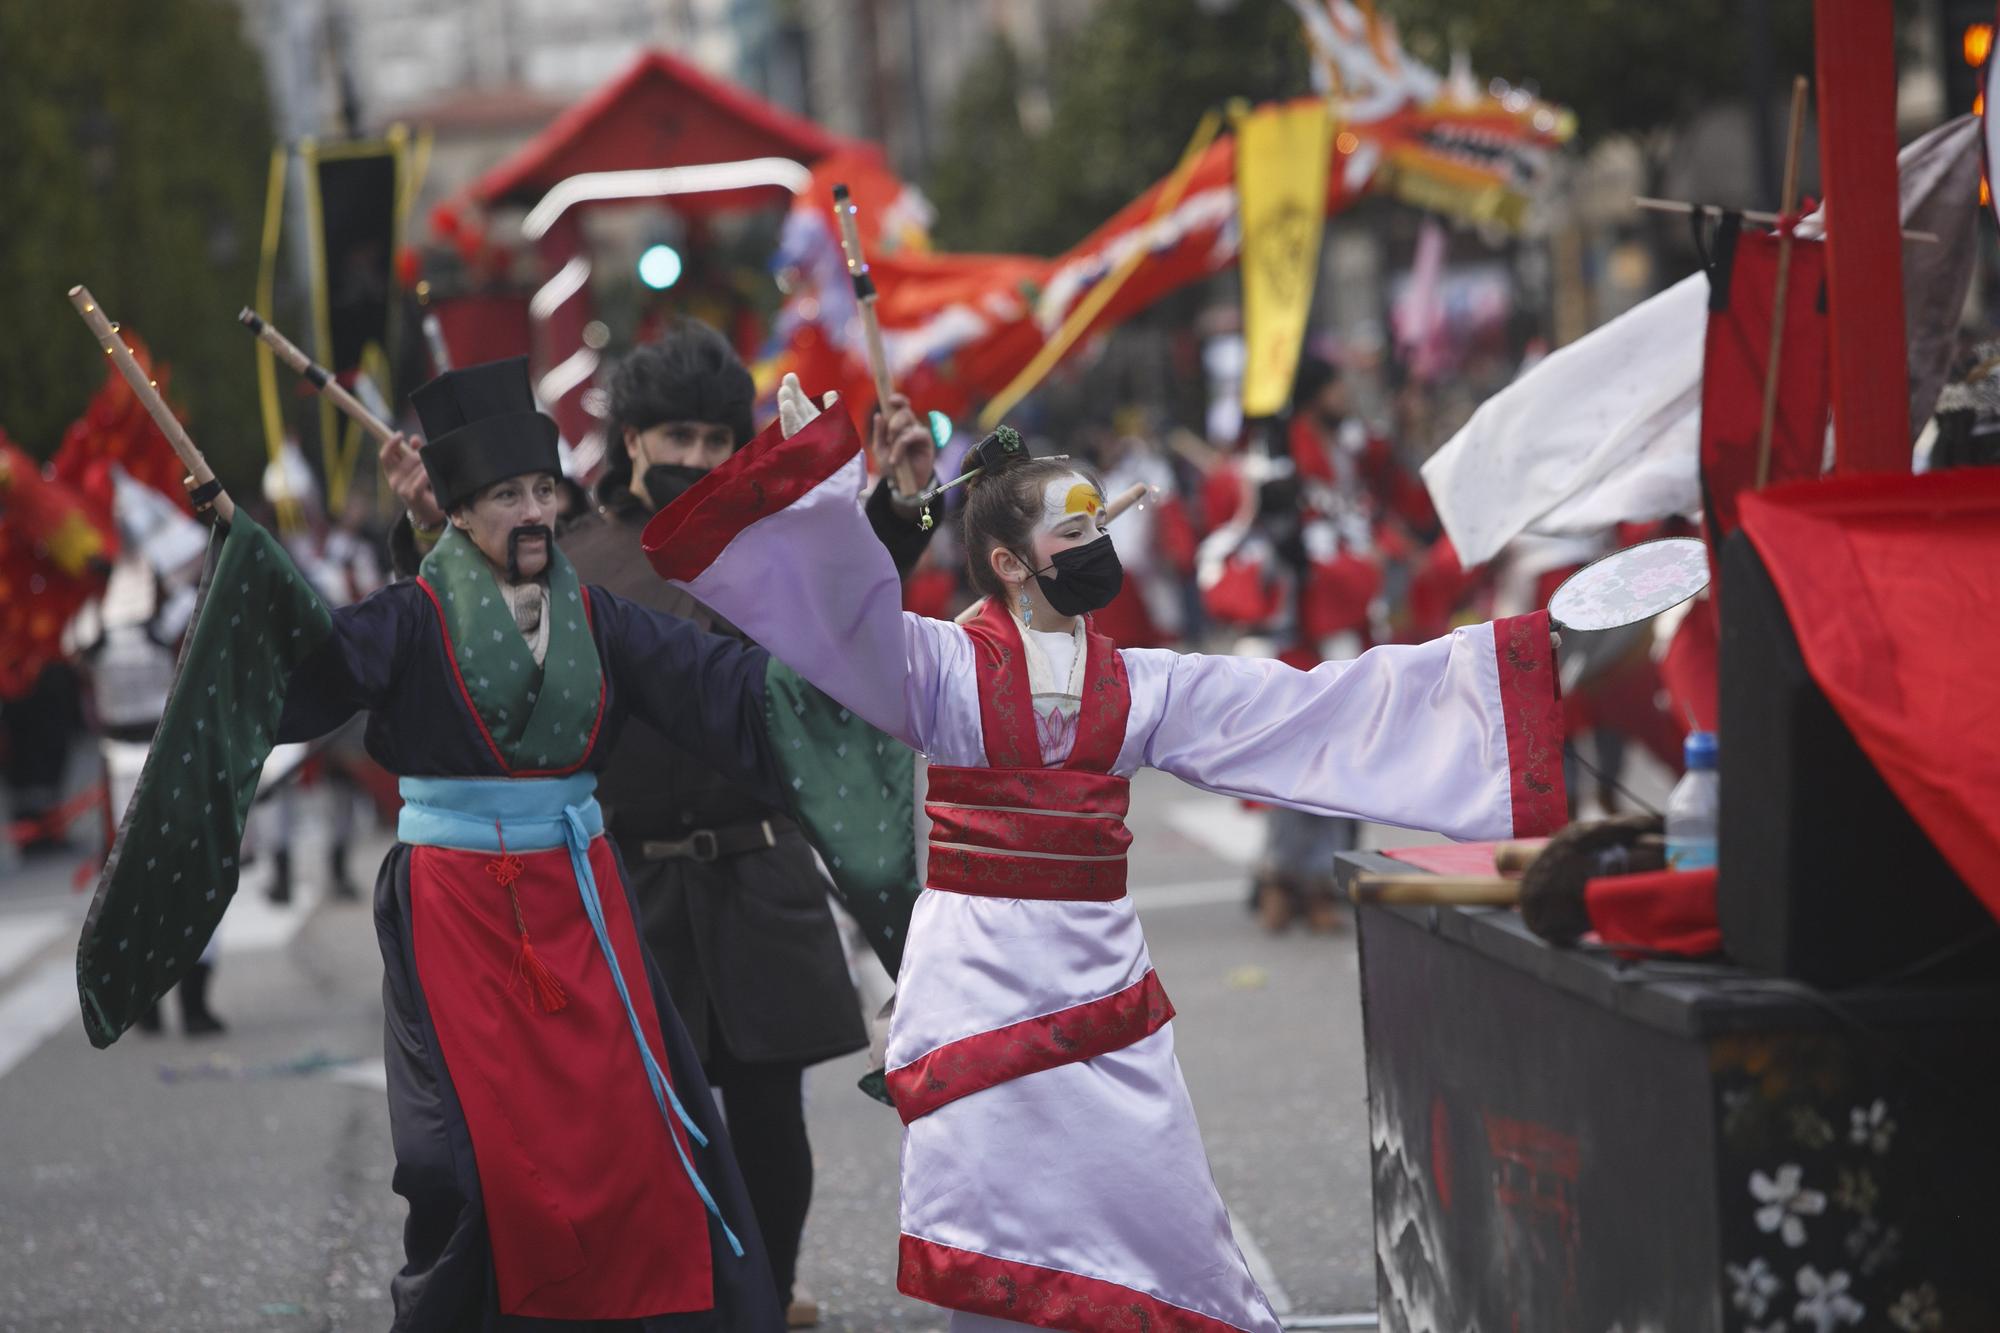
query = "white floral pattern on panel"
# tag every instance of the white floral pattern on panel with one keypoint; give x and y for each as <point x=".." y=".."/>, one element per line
<point x="1786" y="1203"/>
<point x="1871" y="1127"/>
<point x="1755" y="1284"/>
<point x="1823" y="1300"/>
<point x="1775" y="1326"/>
<point x="1917" y="1311"/>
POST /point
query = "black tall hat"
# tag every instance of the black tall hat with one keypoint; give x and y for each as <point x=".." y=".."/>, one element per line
<point x="481" y="426"/>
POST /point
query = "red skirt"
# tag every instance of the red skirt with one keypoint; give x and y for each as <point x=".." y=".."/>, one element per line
<point x="589" y="1211"/>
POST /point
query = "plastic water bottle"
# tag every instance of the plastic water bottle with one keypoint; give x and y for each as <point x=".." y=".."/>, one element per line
<point x="1692" y="809"/>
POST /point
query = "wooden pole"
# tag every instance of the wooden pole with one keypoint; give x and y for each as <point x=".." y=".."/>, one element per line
<point x="864" y="294"/>
<point x="316" y="375"/>
<point x="149" y="397"/>
<point x="1788" y="201"/>
<point x="1125" y="499"/>
<point x="1436" y="890"/>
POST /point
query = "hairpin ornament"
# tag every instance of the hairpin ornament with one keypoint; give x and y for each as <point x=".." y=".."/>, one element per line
<point x="1003" y="445"/>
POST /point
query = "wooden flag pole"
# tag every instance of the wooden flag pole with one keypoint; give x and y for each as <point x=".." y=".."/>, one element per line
<point x="148" y="393"/>
<point x="1784" y="282"/>
<point x="316" y="375"/>
<point x="864" y="294"/>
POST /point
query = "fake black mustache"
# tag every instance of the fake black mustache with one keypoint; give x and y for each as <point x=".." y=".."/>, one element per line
<point x="523" y="533"/>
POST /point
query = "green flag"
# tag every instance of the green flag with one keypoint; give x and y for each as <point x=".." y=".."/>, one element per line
<point x="173" y="868"/>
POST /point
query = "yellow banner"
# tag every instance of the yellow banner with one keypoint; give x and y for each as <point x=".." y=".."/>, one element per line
<point x="1281" y="164"/>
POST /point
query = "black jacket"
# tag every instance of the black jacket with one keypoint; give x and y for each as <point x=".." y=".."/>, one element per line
<point x="748" y="943"/>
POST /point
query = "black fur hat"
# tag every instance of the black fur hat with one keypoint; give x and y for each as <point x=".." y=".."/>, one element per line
<point x="481" y="426"/>
<point x="689" y="374"/>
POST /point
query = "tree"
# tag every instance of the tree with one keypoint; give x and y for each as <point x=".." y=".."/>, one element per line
<point x="1126" y="89"/>
<point x="1624" y="69"/>
<point x="135" y="143"/>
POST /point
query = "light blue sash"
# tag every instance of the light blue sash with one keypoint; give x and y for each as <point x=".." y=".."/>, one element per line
<point x="533" y="815"/>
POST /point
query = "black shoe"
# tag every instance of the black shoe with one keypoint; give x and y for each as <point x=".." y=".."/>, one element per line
<point x="343" y="887"/>
<point x="148" y="1022"/>
<point x="196" y="1019"/>
<point x="280" y="891"/>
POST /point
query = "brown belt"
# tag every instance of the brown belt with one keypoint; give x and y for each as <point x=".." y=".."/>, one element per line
<point x="713" y="844"/>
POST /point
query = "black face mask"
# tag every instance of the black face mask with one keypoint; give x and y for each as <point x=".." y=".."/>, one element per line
<point x="666" y="482"/>
<point x="1087" y="578"/>
<point x="521" y="534"/>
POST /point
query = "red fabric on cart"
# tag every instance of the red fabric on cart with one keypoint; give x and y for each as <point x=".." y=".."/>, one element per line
<point x="1666" y="911"/>
<point x="1734" y="362"/>
<point x="1892" y="585"/>
<point x="1454" y="858"/>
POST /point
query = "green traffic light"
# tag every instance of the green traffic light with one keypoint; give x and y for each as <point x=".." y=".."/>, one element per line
<point x="660" y="267"/>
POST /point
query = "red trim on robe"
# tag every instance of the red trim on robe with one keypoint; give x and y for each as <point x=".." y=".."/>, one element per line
<point x="1031" y="1294"/>
<point x="588" y="1211"/>
<point x="767" y="475"/>
<point x="999" y="1055"/>
<point x="1006" y="705"/>
<point x="999" y="875"/>
<point x="458" y="677"/>
<point x="1007" y="709"/>
<point x="1531" y="707"/>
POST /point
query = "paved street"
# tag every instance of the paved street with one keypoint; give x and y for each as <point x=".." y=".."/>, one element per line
<point x="243" y="1183"/>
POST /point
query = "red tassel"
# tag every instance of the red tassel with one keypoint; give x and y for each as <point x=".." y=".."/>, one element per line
<point x="543" y="988"/>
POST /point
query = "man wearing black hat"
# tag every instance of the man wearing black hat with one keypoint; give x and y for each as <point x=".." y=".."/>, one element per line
<point x="732" y="901"/>
<point x="555" y="1136"/>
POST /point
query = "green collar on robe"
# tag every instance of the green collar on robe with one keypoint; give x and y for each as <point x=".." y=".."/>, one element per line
<point x="540" y="717"/>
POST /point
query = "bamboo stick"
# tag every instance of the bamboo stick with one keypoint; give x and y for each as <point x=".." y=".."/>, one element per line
<point x="1772" y="362"/>
<point x="316" y="375"/>
<point x="1435" y="890"/>
<point x="1747" y="214"/>
<point x="148" y="393"/>
<point x="864" y="294"/>
<point x="1125" y="499"/>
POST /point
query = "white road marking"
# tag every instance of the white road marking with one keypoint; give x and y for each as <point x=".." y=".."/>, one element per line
<point x="362" y="1074"/>
<point x="32" y="1010"/>
<point x="25" y="934"/>
<point x="254" y="922"/>
<point x="1260" y="1268"/>
<point x="1222" y="825"/>
<point x="1192" y="893"/>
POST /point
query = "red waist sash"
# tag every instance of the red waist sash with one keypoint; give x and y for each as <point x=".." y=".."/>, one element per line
<point x="1046" y="833"/>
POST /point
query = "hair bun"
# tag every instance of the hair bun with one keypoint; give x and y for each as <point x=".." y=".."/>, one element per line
<point x="998" y="453"/>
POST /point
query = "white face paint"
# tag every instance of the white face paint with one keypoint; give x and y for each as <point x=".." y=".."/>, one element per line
<point x="1071" y="504"/>
<point x="1072" y="515"/>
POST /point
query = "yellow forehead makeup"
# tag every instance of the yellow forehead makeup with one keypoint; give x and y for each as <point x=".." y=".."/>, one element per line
<point x="1069" y="496"/>
<point x="1082" y="499"/>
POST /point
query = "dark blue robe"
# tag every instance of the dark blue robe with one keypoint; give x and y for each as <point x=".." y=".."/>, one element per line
<point x="387" y="657"/>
